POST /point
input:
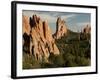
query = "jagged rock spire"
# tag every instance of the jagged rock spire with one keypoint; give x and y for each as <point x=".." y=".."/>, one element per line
<point x="61" y="28"/>
<point x="41" y="43"/>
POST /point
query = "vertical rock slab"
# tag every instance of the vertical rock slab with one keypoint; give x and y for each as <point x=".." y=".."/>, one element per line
<point x="61" y="28"/>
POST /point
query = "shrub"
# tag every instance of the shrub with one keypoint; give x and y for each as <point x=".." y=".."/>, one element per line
<point x="29" y="62"/>
<point x="56" y="60"/>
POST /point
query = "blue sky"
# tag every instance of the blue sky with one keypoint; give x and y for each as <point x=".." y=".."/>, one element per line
<point x="74" y="21"/>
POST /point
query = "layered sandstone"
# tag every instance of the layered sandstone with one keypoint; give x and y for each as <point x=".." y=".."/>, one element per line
<point x="26" y="25"/>
<point x="86" y="33"/>
<point x="39" y="41"/>
<point x="87" y="29"/>
<point x="61" y="28"/>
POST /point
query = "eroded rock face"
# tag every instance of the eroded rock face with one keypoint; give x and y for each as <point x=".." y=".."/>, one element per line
<point x="86" y="33"/>
<point x="40" y="41"/>
<point x="61" y="29"/>
<point x="26" y="34"/>
<point x="87" y="29"/>
<point x="26" y="25"/>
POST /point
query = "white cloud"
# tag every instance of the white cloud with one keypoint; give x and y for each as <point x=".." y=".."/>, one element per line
<point x="83" y="23"/>
<point x="68" y="16"/>
<point x="51" y="18"/>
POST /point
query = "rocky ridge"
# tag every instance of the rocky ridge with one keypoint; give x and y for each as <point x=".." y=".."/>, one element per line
<point x="87" y="29"/>
<point x="37" y="38"/>
<point x="61" y="28"/>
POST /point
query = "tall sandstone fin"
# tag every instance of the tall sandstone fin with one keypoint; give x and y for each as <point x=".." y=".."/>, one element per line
<point x="61" y="28"/>
<point x="41" y="43"/>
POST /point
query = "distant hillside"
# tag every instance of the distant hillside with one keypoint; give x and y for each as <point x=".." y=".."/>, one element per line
<point x="75" y="51"/>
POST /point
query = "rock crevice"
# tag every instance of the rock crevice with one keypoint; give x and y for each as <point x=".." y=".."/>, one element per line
<point x="40" y="41"/>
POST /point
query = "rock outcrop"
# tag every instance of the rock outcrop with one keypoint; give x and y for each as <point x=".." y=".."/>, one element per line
<point x="86" y="33"/>
<point x="26" y="25"/>
<point x="37" y="38"/>
<point x="61" y="29"/>
<point x="26" y="34"/>
<point x="87" y="29"/>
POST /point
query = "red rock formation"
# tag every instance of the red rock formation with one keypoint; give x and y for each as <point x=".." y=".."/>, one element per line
<point x="87" y="29"/>
<point x="26" y="26"/>
<point x="41" y="40"/>
<point x="61" y="29"/>
<point x="86" y="33"/>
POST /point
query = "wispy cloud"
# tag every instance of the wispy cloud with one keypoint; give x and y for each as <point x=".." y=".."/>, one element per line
<point x="83" y="23"/>
<point x="68" y="16"/>
<point x="51" y="17"/>
<point x="75" y="21"/>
